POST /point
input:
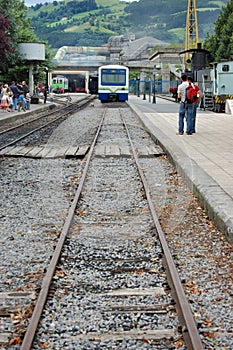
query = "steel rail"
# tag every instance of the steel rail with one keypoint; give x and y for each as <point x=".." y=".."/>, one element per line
<point x="26" y="122"/>
<point x="78" y="104"/>
<point x="28" y="134"/>
<point x="44" y="115"/>
<point x="189" y="328"/>
<point x="41" y="300"/>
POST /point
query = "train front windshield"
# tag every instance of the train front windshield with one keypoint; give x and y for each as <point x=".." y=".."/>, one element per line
<point x="57" y="81"/>
<point x="113" y="77"/>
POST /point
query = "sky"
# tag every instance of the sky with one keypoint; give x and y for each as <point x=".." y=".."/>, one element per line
<point x="34" y="2"/>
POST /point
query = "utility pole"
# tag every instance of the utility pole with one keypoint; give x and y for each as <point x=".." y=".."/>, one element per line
<point x="191" y="37"/>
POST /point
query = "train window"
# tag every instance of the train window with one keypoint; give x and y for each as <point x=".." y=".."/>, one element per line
<point x="113" y="78"/>
<point x="225" y="68"/>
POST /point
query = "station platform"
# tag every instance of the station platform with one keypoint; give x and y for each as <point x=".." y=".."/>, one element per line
<point x="58" y="100"/>
<point x="203" y="159"/>
<point x="5" y="117"/>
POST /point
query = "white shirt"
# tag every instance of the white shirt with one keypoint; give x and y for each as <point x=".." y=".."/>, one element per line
<point x="182" y="90"/>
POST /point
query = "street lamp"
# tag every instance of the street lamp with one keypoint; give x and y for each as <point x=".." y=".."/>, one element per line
<point x="149" y="89"/>
<point x="154" y="74"/>
<point x="46" y="77"/>
<point x="144" y="86"/>
<point x="138" y="86"/>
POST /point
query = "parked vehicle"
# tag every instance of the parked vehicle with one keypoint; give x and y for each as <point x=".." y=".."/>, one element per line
<point x="60" y="83"/>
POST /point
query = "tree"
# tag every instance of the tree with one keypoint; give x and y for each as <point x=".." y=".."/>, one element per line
<point x="15" y="28"/>
<point x="220" y="44"/>
<point x="5" y="43"/>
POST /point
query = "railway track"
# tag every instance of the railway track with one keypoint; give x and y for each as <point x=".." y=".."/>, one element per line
<point x="13" y="134"/>
<point x="107" y="266"/>
<point x="101" y="277"/>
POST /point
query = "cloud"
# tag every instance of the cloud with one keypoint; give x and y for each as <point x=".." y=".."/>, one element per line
<point x="29" y="3"/>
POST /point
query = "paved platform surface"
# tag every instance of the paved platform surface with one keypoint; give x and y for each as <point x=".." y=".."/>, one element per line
<point x="204" y="159"/>
<point x="4" y="117"/>
<point x="15" y="115"/>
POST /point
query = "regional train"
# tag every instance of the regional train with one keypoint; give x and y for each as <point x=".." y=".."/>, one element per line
<point x="59" y="84"/>
<point x="113" y="83"/>
<point x="74" y="83"/>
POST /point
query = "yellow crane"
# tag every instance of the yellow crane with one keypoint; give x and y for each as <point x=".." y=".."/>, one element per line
<point x="191" y="37"/>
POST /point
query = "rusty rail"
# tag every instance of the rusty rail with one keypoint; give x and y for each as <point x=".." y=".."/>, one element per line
<point x="189" y="328"/>
<point x="31" y="330"/>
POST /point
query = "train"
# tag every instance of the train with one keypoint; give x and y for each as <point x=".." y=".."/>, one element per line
<point x="60" y="84"/>
<point x="74" y="83"/>
<point x="93" y="84"/>
<point x="215" y="83"/>
<point x="113" y="83"/>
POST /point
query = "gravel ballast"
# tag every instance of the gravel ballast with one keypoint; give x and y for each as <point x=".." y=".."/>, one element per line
<point x="36" y="195"/>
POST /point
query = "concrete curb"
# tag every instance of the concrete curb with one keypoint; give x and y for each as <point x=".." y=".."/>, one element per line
<point x="12" y="116"/>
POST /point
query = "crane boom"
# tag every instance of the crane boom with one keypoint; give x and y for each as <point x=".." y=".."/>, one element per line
<point x="191" y="37"/>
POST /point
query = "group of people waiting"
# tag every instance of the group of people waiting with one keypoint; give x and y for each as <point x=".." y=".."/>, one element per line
<point x="187" y="109"/>
<point x="15" y="97"/>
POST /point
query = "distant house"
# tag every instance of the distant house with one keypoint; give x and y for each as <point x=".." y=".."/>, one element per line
<point x="169" y="64"/>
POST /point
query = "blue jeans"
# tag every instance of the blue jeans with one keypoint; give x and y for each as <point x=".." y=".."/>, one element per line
<point x="185" y="110"/>
<point x="15" y="102"/>
<point x="193" y="129"/>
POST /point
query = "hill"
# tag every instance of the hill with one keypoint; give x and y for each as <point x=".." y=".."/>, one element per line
<point x="92" y="22"/>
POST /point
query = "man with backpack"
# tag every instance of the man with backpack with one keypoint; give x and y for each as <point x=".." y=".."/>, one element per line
<point x="186" y="107"/>
<point x="195" y="102"/>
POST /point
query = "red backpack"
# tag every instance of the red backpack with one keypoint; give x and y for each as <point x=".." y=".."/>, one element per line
<point x="191" y="94"/>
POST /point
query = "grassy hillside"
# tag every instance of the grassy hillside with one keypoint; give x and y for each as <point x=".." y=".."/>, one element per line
<point x="92" y="22"/>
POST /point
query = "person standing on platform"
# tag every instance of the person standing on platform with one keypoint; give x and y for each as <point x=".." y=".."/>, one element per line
<point x="195" y="104"/>
<point x="15" y="91"/>
<point x="11" y="106"/>
<point x="1" y="90"/>
<point x="45" y="93"/>
<point x="25" y="88"/>
<point x="21" y="102"/>
<point x="185" y="108"/>
<point x="28" y="100"/>
<point x="5" y="101"/>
